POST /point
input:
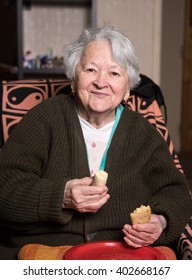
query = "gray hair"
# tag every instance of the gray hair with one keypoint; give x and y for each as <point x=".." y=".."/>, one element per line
<point x="122" y="51"/>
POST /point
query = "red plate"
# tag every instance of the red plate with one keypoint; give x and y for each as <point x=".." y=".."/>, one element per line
<point x="111" y="250"/>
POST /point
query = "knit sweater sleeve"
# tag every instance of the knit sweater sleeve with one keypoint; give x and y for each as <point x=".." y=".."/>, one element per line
<point x="27" y="196"/>
<point x="170" y="192"/>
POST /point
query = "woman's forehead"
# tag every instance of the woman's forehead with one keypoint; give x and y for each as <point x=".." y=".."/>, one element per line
<point x="98" y="44"/>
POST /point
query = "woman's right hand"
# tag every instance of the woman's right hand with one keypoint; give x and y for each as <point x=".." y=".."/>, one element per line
<point x="80" y="195"/>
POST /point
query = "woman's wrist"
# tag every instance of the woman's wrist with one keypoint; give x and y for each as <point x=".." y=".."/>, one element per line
<point x="163" y="221"/>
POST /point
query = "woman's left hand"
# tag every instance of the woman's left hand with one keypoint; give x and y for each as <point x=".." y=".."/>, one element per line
<point x="140" y="235"/>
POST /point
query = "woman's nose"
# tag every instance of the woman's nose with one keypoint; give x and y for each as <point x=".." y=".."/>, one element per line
<point x="101" y="80"/>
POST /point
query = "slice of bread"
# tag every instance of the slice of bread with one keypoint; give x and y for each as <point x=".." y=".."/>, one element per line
<point x="141" y="215"/>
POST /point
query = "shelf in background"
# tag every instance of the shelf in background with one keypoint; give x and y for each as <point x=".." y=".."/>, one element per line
<point x="68" y="2"/>
<point x="65" y="2"/>
<point x="47" y="73"/>
<point x="44" y="71"/>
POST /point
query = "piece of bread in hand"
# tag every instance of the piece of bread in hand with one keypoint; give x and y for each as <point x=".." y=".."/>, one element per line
<point x="100" y="178"/>
<point x="141" y="215"/>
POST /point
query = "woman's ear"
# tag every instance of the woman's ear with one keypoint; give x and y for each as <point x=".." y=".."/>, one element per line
<point x="126" y="95"/>
<point x="73" y="88"/>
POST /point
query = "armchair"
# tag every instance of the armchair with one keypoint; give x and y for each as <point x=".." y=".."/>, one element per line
<point x="17" y="97"/>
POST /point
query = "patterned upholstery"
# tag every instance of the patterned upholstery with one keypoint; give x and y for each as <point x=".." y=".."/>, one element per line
<point x="17" y="97"/>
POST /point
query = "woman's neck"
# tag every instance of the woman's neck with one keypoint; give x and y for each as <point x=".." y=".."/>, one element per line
<point x="97" y="120"/>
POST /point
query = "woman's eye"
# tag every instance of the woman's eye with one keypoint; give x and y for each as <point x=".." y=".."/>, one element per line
<point x="115" y="74"/>
<point x="90" y="70"/>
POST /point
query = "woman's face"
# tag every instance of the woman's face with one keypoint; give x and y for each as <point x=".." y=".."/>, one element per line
<point x="101" y="84"/>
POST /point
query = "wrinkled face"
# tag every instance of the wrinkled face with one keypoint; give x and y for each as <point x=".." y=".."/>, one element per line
<point x="101" y="84"/>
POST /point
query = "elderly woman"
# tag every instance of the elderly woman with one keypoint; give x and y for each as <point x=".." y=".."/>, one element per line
<point x="47" y="194"/>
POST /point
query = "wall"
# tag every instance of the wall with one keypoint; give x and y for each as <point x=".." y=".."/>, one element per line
<point x="141" y="22"/>
<point x="52" y="26"/>
<point x="171" y="64"/>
